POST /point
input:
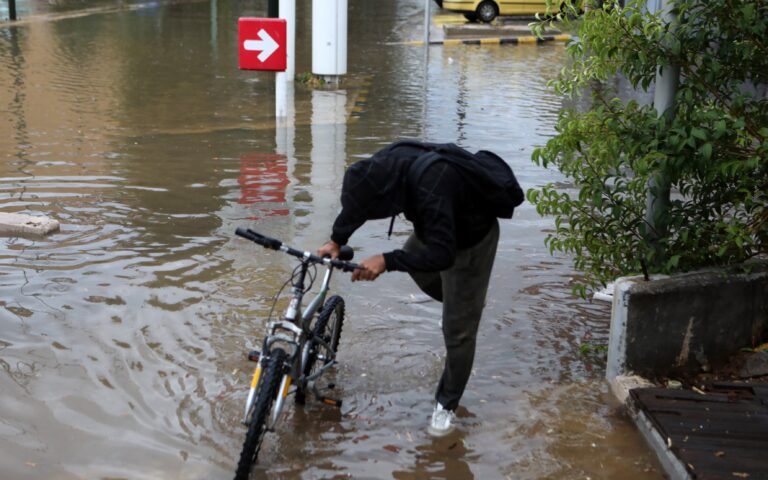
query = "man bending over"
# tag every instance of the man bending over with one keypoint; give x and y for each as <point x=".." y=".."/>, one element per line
<point x="452" y="198"/>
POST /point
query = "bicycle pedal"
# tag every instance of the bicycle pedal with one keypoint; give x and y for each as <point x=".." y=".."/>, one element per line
<point x="332" y="402"/>
<point x="254" y="355"/>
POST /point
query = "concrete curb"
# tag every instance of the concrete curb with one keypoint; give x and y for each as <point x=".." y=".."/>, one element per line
<point x="13" y="224"/>
<point x="528" y="39"/>
<point x="672" y="465"/>
<point x="620" y="386"/>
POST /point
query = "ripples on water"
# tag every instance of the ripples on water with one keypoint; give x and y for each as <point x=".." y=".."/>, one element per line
<point x="123" y="334"/>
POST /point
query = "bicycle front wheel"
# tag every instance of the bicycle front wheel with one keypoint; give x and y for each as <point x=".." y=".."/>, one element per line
<point x="259" y="413"/>
<point x="328" y="327"/>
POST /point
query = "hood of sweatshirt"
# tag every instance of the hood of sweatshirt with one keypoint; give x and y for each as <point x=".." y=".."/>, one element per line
<point x="376" y="188"/>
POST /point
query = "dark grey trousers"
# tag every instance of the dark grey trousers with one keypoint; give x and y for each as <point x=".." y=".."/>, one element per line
<point x="462" y="289"/>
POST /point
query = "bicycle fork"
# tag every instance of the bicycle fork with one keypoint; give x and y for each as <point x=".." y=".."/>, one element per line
<point x="252" y="391"/>
<point x="282" y="393"/>
<point x="289" y="333"/>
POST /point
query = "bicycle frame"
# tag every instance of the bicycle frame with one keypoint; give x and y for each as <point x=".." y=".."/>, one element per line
<point x="295" y="335"/>
<point x="305" y="349"/>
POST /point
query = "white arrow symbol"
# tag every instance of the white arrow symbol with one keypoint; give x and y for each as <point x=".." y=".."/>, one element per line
<point x="267" y="45"/>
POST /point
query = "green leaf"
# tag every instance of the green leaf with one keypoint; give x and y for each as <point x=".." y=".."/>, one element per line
<point x="676" y="47"/>
<point x="720" y="127"/>
<point x="699" y="133"/>
<point x="674" y="261"/>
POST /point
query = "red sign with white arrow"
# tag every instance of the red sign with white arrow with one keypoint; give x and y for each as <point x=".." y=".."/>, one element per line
<point x="262" y="43"/>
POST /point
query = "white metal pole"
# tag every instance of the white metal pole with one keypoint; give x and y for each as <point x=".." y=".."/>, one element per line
<point x="287" y="11"/>
<point x="667" y="81"/>
<point x="329" y="38"/>
<point x="342" y="11"/>
<point x="426" y="23"/>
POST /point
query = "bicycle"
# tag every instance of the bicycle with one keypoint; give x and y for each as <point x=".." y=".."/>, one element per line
<point x="295" y="350"/>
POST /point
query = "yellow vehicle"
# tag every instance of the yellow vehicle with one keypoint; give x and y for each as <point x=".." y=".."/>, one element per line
<point x="487" y="10"/>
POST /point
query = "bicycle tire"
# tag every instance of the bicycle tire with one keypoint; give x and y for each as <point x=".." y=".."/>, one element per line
<point x="334" y="306"/>
<point x="257" y="418"/>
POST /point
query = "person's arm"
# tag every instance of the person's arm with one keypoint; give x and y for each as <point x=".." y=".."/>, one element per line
<point x="435" y="217"/>
<point x="344" y="226"/>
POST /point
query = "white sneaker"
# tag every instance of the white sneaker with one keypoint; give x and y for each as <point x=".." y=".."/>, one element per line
<point x="442" y="422"/>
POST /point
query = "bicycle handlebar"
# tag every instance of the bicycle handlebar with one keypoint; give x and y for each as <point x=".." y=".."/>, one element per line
<point x="274" y="244"/>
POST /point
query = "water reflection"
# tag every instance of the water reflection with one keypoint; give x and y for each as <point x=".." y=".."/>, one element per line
<point x="440" y="458"/>
<point x="328" y="159"/>
<point x="263" y="181"/>
<point x="123" y="334"/>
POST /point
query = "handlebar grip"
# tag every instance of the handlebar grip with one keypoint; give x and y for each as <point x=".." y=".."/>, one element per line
<point x="345" y="266"/>
<point x="241" y="232"/>
<point x="256" y="237"/>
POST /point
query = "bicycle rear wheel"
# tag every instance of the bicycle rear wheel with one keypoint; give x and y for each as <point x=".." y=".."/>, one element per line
<point x="259" y="413"/>
<point x="328" y="327"/>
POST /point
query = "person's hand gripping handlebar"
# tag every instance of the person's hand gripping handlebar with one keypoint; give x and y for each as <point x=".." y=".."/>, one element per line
<point x="370" y="269"/>
<point x="329" y="249"/>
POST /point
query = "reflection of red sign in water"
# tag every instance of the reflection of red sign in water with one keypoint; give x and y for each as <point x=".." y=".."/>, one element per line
<point x="263" y="178"/>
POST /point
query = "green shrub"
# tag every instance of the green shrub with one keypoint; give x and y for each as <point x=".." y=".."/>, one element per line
<point x="713" y="150"/>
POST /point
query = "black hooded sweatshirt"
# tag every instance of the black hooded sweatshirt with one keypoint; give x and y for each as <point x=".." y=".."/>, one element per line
<point x="446" y="212"/>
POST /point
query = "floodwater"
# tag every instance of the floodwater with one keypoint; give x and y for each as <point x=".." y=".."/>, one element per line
<point x="122" y="337"/>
